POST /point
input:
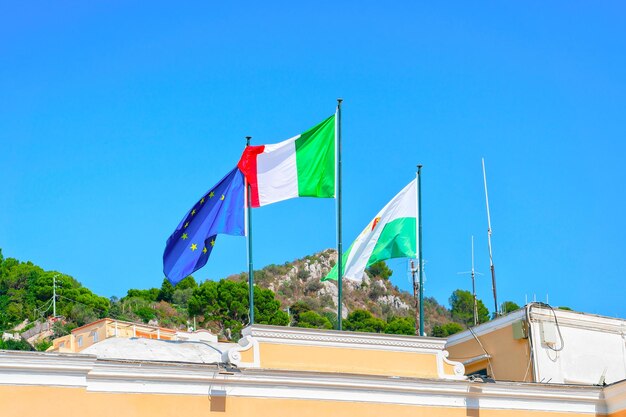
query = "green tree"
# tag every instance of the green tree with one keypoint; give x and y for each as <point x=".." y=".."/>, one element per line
<point x="146" y="313"/>
<point x="379" y="269"/>
<point x="149" y="295"/>
<point x="43" y="345"/>
<point x="224" y="306"/>
<point x="446" y="329"/>
<point x="15" y="345"/>
<point x="462" y="308"/>
<point x="166" y="293"/>
<point x="364" y="321"/>
<point x="181" y="297"/>
<point x="401" y="325"/>
<point x="312" y="320"/>
<point x="298" y="308"/>
<point x="332" y="318"/>
<point x="509" y="306"/>
<point x="187" y="282"/>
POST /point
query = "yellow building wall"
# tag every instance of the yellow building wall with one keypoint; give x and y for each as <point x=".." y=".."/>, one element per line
<point x="345" y="360"/>
<point x="77" y="402"/>
<point x="510" y="358"/>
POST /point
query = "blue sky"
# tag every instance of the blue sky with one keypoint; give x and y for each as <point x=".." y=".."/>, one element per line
<point x="116" y="116"/>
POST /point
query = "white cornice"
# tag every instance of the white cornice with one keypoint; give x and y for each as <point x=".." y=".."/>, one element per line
<point x="538" y="314"/>
<point x="56" y="369"/>
<point x="615" y="395"/>
<point x="332" y="338"/>
<point x="116" y="376"/>
<point x="579" y="320"/>
<point x="490" y="326"/>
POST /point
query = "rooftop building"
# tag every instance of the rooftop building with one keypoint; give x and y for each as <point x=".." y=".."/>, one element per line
<point x="275" y="371"/>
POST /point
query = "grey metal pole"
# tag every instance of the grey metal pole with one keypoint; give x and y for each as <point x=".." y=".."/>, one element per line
<point x="339" y="243"/>
<point x="421" y="261"/>
<point x="250" y="264"/>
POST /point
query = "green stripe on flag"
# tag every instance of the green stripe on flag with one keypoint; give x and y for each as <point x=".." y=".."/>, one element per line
<point x="332" y="275"/>
<point x="397" y="240"/>
<point x="315" y="160"/>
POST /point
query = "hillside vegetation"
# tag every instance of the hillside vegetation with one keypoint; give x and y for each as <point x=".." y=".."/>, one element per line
<point x="288" y="294"/>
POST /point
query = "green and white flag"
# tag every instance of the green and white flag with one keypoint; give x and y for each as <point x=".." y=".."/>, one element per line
<point x="391" y="234"/>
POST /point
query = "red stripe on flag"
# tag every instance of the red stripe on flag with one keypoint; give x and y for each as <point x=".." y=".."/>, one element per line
<point x="247" y="165"/>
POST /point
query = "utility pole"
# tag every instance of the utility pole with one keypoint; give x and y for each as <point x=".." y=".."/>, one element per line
<point x="54" y="296"/>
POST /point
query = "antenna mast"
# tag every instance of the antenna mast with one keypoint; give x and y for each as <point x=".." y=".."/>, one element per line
<point x="416" y="285"/>
<point x="474" y="286"/>
<point x="493" y="269"/>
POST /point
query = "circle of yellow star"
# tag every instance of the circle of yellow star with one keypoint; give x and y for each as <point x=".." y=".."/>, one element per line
<point x="184" y="236"/>
<point x="194" y="246"/>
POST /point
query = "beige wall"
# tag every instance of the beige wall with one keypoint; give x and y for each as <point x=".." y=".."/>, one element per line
<point x="345" y="360"/>
<point x="510" y="357"/>
<point x="77" y="402"/>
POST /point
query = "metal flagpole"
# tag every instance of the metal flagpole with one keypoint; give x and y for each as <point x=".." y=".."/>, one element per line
<point x="250" y="265"/>
<point x="492" y="267"/>
<point x="339" y="244"/>
<point x="420" y="263"/>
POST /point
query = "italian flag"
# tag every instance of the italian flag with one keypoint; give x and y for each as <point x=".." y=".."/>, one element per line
<point x="303" y="166"/>
<point x="391" y="234"/>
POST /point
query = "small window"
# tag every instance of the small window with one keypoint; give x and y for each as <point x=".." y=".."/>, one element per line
<point x="79" y="341"/>
<point x="94" y="334"/>
<point x="62" y="344"/>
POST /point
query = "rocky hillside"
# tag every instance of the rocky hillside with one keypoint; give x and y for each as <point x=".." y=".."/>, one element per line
<point x="300" y="280"/>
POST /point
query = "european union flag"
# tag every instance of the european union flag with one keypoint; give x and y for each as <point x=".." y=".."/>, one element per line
<point x="220" y="210"/>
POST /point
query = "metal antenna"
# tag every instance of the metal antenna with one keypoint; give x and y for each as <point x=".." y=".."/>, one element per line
<point x="473" y="273"/>
<point x="416" y="285"/>
<point x="492" y="267"/>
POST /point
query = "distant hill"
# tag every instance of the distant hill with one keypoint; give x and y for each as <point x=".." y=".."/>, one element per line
<point x="26" y="298"/>
<point x="300" y="280"/>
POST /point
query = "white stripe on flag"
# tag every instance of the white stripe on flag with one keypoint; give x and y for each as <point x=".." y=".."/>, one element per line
<point x="277" y="172"/>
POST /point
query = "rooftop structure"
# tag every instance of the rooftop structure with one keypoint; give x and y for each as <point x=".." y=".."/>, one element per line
<point x="542" y="344"/>
<point x="99" y="330"/>
<point x="276" y="371"/>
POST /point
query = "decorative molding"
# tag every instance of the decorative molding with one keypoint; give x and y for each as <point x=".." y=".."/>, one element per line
<point x="245" y="343"/>
<point x="457" y="367"/>
<point x="115" y="376"/>
<point x="357" y="340"/>
<point x="30" y="368"/>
